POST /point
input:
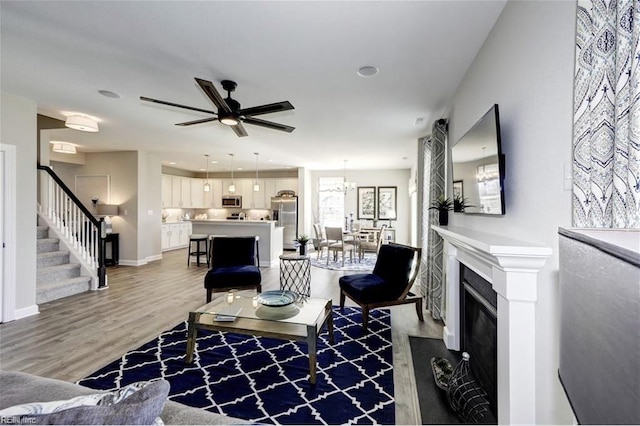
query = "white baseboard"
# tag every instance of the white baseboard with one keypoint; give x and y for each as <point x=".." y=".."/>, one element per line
<point x="26" y="312"/>
<point x="140" y="262"/>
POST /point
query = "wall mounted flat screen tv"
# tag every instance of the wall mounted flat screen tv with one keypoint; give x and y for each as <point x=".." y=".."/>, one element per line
<point x="478" y="167"/>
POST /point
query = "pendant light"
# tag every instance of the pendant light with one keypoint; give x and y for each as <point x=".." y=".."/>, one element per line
<point x="232" y="187"/>
<point x="256" y="185"/>
<point x="207" y="186"/>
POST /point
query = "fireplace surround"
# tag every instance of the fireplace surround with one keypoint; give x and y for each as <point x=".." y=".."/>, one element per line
<point x="511" y="267"/>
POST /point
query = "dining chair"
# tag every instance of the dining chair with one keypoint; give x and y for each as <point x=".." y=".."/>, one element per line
<point x="336" y="243"/>
<point x="320" y="241"/>
<point x="372" y="245"/>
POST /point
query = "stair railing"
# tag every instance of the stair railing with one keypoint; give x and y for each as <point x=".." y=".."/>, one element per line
<point x="84" y="233"/>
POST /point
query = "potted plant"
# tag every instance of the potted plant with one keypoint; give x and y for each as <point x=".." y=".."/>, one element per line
<point x="459" y="203"/>
<point x="443" y="205"/>
<point x="302" y="241"/>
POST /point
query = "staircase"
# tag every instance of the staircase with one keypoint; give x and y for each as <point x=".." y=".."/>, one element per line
<point x="56" y="277"/>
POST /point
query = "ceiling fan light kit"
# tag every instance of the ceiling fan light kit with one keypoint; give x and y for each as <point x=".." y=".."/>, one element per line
<point x="229" y="111"/>
<point x="82" y="123"/>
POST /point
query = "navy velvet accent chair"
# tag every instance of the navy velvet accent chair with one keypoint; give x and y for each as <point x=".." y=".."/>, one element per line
<point x="395" y="272"/>
<point x="234" y="265"/>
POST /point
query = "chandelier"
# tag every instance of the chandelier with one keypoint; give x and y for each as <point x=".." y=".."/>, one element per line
<point x="346" y="185"/>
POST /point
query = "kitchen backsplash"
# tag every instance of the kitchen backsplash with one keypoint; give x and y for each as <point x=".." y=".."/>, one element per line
<point x="175" y="215"/>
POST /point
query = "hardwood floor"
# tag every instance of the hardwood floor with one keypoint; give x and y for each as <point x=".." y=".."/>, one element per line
<point x="75" y="336"/>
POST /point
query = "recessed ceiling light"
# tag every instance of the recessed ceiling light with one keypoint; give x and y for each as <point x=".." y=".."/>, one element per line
<point x="172" y="162"/>
<point x="368" y="71"/>
<point x="214" y="162"/>
<point x="109" y="94"/>
<point x="239" y="168"/>
<point x="202" y="170"/>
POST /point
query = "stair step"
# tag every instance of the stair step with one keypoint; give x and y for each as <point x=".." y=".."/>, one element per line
<point x="48" y="244"/>
<point x="46" y="292"/>
<point x="58" y="272"/>
<point x="42" y="232"/>
<point x="52" y="258"/>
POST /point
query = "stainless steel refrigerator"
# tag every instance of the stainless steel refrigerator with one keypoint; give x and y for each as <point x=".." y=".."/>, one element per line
<point x="285" y="213"/>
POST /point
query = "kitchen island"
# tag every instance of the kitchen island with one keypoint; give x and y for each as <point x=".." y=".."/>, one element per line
<point x="270" y="246"/>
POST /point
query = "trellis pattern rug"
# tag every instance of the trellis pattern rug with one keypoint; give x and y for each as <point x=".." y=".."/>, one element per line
<point x="364" y="266"/>
<point x="267" y="380"/>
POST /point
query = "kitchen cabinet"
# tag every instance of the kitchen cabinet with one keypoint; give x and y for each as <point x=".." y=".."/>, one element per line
<point x="258" y="199"/>
<point x="166" y="191"/>
<point x="176" y="191"/>
<point x="175" y="235"/>
<point x="272" y="186"/>
<point x="213" y="198"/>
<point x="197" y="193"/>
<point x="185" y="192"/>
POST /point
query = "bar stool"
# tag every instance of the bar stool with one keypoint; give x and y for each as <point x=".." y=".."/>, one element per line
<point x="210" y="255"/>
<point x="198" y="238"/>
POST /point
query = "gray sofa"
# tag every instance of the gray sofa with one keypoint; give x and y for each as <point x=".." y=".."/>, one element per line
<point x="21" y="388"/>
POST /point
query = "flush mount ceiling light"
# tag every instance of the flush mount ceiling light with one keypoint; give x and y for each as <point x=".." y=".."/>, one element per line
<point x="63" y="147"/>
<point x="81" y="122"/>
<point x="109" y="94"/>
<point x="368" y="71"/>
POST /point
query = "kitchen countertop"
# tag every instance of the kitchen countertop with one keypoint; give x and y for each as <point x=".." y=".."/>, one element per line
<point x="232" y="220"/>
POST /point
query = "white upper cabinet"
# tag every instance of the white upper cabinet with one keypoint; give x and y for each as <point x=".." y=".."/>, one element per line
<point x="166" y="191"/>
<point x="184" y="192"/>
<point x="197" y="193"/>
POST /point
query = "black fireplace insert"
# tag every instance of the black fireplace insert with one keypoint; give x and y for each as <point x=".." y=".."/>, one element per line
<point x="479" y="337"/>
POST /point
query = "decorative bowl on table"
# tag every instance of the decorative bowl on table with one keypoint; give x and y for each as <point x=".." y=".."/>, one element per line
<point x="277" y="304"/>
<point x="277" y="298"/>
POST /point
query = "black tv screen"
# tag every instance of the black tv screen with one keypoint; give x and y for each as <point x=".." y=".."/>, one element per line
<point x="478" y="167"/>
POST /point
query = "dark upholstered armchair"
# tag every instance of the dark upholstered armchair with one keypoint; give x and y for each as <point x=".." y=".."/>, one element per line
<point x="234" y="265"/>
<point x="395" y="271"/>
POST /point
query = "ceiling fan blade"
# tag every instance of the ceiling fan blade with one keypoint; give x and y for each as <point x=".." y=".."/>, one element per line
<point x="268" y="124"/>
<point x="210" y="90"/>
<point x="239" y="130"/>
<point x="142" y="98"/>
<point x="203" y="120"/>
<point x="266" y="109"/>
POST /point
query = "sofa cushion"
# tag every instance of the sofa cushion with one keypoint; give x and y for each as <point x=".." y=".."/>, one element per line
<point x="19" y="388"/>
<point x="137" y="403"/>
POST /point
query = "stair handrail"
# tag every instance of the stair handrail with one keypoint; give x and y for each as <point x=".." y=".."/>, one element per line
<point x="98" y="224"/>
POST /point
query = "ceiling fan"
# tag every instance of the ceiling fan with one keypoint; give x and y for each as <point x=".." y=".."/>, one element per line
<point x="229" y="111"/>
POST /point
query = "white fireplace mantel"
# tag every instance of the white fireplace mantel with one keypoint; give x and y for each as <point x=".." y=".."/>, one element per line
<point x="512" y="269"/>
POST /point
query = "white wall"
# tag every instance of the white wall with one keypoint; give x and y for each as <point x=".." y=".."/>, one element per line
<point x="18" y="126"/>
<point x="526" y="66"/>
<point x="150" y="206"/>
<point x="393" y="177"/>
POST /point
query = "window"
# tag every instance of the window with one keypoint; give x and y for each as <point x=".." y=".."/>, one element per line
<point x="330" y="201"/>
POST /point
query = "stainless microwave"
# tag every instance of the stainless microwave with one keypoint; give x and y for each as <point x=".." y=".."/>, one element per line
<point x="231" y="201"/>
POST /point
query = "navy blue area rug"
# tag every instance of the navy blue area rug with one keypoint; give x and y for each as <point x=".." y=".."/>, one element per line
<point x="267" y="380"/>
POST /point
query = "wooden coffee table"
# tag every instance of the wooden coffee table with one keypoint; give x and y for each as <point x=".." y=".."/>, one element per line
<point x="240" y="313"/>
